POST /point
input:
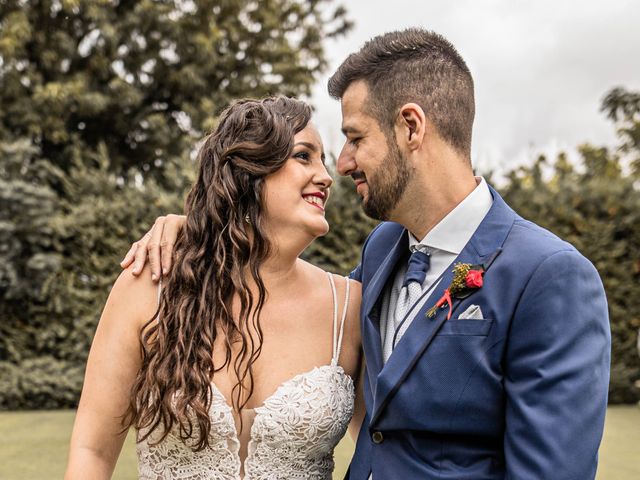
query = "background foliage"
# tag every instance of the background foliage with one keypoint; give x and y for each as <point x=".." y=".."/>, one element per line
<point x="101" y="104"/>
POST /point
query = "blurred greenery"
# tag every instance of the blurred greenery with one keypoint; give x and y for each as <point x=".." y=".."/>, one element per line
<point x="34" y="446"/>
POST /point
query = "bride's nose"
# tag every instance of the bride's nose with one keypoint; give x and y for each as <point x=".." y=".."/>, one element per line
<point x="321" y="177"/>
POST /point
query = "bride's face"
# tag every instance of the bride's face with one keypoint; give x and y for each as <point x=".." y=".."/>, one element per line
<point x="295" y="196"/>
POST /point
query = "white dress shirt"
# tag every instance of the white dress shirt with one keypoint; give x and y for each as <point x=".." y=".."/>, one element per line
<point x="443" y="242"/>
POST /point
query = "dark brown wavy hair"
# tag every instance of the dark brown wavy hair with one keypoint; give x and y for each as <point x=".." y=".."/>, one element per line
<point x="222" y="243"/>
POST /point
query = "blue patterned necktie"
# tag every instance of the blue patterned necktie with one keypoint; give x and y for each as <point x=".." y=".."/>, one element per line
<point x="417" y="268"/>
<point x="419" y="264"/>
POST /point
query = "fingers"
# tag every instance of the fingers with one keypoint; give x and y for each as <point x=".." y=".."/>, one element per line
<point x="156" y="247"/>
<point x="172" y="225"/>
<point x="128" y="258"/>
<point x="153" y="248"/>
<point x="140" y="253"/>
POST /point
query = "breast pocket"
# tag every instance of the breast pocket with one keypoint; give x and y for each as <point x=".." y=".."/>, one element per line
<point x="475" y="327"/>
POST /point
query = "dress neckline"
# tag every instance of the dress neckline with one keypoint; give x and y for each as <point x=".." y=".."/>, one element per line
<point x="280" y="387"/>
<point x="263" y="408"/>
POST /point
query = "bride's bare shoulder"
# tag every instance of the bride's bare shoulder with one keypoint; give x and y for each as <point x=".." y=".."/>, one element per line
<point x="135" y="297"/>
<point x="340" y="281"/>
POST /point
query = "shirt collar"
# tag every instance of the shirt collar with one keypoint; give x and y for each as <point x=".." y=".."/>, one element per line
<point x="453" y="232"/>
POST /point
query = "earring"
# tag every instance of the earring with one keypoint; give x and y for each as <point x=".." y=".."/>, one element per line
<point x="247" y="219"/>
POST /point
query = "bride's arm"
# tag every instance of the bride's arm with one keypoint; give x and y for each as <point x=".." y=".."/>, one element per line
<point x="355" y="342"/>
<point x="359" y="408"/>
<point x="113" y="363"/>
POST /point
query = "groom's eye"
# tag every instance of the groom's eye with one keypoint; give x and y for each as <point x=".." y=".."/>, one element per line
<point x="354" y="141"/>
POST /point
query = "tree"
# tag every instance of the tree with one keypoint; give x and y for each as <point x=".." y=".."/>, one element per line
<point x="147" y="78"/>
<point x="623" y="107"/>
<point x="59" y="256"/>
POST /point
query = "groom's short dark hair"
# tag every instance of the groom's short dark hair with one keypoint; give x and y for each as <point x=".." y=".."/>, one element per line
<point x="419" y="66"/>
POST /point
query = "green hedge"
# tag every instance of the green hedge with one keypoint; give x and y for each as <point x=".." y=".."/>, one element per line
<point x="59" y="255"/>
<point x="46" y="330"/>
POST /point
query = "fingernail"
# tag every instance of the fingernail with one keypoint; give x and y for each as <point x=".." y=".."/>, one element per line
<point x="154" y="277"/>
<point x="136" y="270"/>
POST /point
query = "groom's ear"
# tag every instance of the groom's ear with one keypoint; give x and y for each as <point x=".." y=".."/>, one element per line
<point x="411" y="126"/>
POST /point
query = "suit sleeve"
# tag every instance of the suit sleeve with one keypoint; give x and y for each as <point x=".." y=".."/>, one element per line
<point x="557" y="372"/>
<point x="356" y="273"/>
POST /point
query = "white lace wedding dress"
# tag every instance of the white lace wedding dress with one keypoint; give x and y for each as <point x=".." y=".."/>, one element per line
<point x="293" y="434"/>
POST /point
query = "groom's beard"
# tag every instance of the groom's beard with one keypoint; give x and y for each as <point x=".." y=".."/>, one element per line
<point x="387" y="185"/>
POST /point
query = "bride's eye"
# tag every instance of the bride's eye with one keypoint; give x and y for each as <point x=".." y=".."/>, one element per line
<point x="302" y="156"/>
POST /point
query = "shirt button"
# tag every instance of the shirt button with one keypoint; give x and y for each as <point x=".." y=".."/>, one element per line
<point x="377" y="437"/>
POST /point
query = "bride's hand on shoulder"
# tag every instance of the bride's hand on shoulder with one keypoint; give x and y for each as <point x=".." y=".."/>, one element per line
<point x="156" y="246"/>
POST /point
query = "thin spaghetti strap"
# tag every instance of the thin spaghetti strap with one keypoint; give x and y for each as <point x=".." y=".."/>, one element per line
<point x="335" y="316"/>
<point x="344" y="316"/>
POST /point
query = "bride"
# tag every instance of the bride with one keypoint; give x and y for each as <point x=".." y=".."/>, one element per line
<point x="242" y="362"/>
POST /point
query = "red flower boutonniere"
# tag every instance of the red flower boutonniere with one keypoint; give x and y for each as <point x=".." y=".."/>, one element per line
<point x="467" y="279"/>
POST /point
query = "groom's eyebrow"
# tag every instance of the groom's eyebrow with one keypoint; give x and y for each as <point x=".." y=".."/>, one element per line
<point x="347" y="129"/>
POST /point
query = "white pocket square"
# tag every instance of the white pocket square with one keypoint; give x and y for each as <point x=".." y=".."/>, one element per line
<point x="471" y="313"/>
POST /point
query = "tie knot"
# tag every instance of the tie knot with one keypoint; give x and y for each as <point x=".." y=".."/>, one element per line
<point x="417" y="270"/>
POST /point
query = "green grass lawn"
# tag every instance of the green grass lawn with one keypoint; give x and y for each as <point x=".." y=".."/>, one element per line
<point x="34" y="445"/>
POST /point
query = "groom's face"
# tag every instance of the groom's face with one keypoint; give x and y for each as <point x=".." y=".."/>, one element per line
<point x="370" y="157"/>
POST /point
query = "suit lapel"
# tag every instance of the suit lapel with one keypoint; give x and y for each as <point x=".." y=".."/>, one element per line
<point x="371" y="342"/>
<point x="483" y="248"/>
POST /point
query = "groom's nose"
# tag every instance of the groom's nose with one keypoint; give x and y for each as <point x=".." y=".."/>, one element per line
<point x="346" y="163"/>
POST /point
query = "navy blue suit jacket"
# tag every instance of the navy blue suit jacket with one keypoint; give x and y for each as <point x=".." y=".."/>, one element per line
<point x="520" y="394"/>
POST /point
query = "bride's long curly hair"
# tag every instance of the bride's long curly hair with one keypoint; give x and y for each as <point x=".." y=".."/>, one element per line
<point x="222" y="243"/>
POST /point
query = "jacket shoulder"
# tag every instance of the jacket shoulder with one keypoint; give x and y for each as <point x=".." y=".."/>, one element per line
<point x="529" y="246"/>
<point x="383" y="237"/>
<point x="527" y="236"/>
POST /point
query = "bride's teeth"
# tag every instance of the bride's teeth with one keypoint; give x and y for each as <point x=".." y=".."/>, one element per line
<point x="313" y="199"/>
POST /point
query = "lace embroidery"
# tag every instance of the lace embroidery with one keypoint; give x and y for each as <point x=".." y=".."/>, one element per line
<point x="295" y="431"/>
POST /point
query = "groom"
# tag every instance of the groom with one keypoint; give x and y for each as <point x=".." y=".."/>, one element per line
<point x="486" y="338"/>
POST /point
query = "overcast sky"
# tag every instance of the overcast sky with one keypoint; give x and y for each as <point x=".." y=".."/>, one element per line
<point x="541" y="67"/>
